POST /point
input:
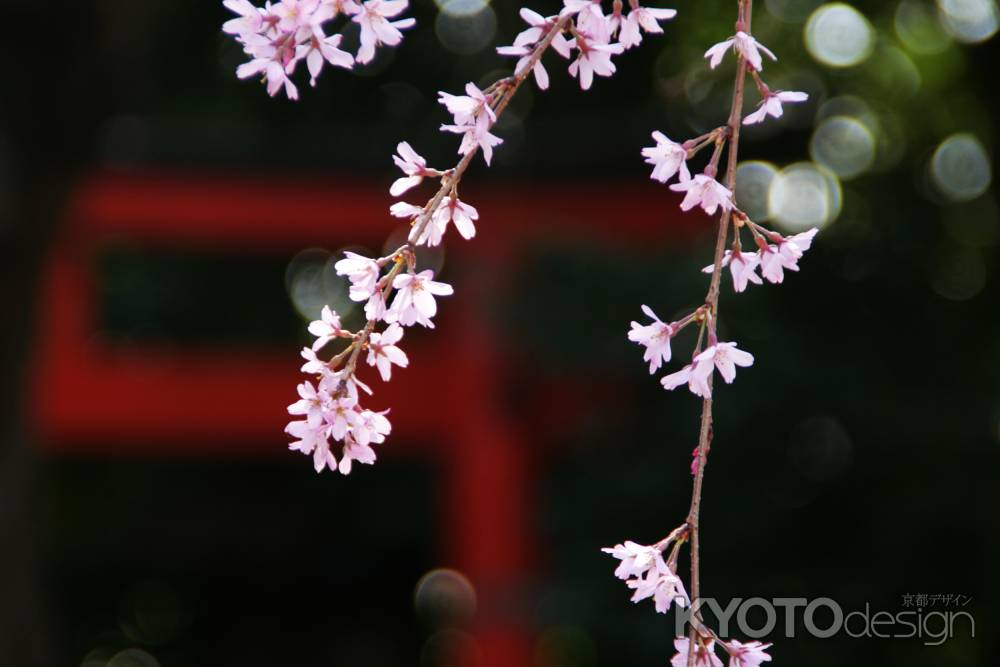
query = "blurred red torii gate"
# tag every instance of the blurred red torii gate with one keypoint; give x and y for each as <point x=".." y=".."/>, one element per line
<point x="96" y="395"/>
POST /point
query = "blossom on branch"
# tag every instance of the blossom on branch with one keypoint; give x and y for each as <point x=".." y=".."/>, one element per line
<point x="655" y="337"/>
<point x="750" y="654"/>
<point x="414" y="301"/>
<point x="771" y="105"/>
<point x="743" y="44"/>
<point x="704" y="191"/>
<point x="668" y="158"/>
<point x="704" y="656"/>
<point x="642" y="19"/>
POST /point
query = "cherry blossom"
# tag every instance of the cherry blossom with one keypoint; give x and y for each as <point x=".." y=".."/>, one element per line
<point x="354" y="451"/>
<point x="527" y="41"/>
<point x="314" y="365"/>
<point x="377" y="29"/>
<point x="771" y="105"/>
<point x="312" y="440"/>
<point x="774" y="259"/>
<point x="363" y="272"/>
<point x="724" y="357"/>
<point x="375" y="308"/>
<point x="697" y="382"/>
<point x="473" y="119"/>
<point x="704" y="191"/>
<point x="414" y="301"/>
<point x="742" y="43"/>
<point x="594" y="58"/>
<point x="341" y="415"/>
<point x="636" y="559"/>
<point x="310" y="404"/>
<point x="642" y="18"/>
<point x="655" y="337"/>
<point x="668" y="158"/>
<point x="704" y="656"/>
<point x="742" y="266"/>
<point x="373" y="427"/>
<point x="280" y="34"/>
<point x="326" y="328"/>
<point x="413" y="165"/>
<point x="750" y="654"/>
<point x="383" y="352"/>
<point x="664" y="587"/>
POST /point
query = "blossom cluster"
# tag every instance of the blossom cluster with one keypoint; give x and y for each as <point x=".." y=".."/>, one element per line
<point x="330" y="409"/>
<point x="277" y="36"/>
<point x="774" y="255"/>
<point x="592" y="36"/>
<point x="646" y="572"/>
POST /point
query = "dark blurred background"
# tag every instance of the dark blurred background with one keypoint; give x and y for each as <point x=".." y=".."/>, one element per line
<point x="856" y="460"/>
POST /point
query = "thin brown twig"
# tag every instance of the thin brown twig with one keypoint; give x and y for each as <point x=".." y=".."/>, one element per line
<point x="712" y="302"/>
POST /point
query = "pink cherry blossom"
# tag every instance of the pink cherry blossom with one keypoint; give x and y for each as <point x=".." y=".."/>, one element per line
<point x="326" y="328"/>
<point x="377" y="29"/>
<point x="476" y="135"/>
<point x="375" y="307"/>
<point x="314" y="365"/>
<point x="474" y="116"/>
<point x="402" y="209"/>
<point x="310" y="404"/>
<point x="642" y="18"/>
<point x="664" y="587"/>
<point x="704" y="191"/>
<point x="413" y="165"/>
<point x="341" y="416"/>
<point x="697" y="382"/>
<point x="468" y="108"/>
<point x="636" y="559"/>
<point x="772" y="264"/>
<point x="280" y="34"/>
<point x="527" y="40"/>
<point x="321" y="49"/>
<point x="774" y="259"/>
<point x="742" y="43"/>
<point x="704" y="656"/>
<point x="771" y="105"/>
<point x="668" y="158"/>
<point x="363" y="272"/>
<point x="724" y="357"/>
<point x="454" y="210"/>
<point x="383" y="352"/>
<point x="414" y="301"/>
<point x="750" y="654"/>
<point x="655" y="337"/>
<point x="355" y="451"/>
<point x="594" y="58"/>
<point x="373" y="427"/>
<point x="312" y="440"/>
<point x="742" y="266"/>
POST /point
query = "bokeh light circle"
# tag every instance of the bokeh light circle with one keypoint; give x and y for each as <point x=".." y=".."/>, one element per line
<point x="804" y="195"/>
<point x="465" y="30"/>
<point x="969" y="21"/>
<point x="844" y="145"/>
<point x="838" y="35"/>
<point x="961" y="168"/>
<point x="445" y="597"/>
<point x="753" y="183"/>
<point x="312" y="282"/>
